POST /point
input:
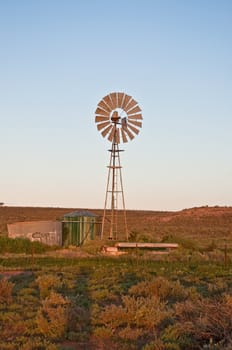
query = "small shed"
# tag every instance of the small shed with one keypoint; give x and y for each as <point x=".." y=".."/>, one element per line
<point x="48" y="232"/>
<point x="79" y="227"/>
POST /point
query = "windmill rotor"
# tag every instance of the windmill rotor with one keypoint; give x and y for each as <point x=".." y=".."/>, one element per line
<point x="118" y="117"/>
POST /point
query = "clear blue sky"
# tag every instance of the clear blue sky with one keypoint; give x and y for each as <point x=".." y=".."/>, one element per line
<point x="58" y="58"/>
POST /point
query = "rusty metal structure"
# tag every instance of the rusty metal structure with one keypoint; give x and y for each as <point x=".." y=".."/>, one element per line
<point x="118" y="118"/>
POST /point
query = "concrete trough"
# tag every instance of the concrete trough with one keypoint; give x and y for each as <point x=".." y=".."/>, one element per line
<point x="147" y="245"/>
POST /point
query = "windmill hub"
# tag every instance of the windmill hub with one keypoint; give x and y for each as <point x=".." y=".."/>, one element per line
<point x="115" y="117"/>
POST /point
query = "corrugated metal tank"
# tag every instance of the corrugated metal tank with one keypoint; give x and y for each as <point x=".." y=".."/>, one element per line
<point x="78" y="227"/>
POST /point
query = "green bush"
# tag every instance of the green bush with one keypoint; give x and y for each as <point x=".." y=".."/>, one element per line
<point x="184" y="242"/>
<point x="21" y="245"/>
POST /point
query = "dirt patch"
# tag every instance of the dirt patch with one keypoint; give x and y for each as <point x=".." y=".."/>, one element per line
<point x="71" y="345"/>
<point x="68" y="253"/>
<point x="12" y="273"/>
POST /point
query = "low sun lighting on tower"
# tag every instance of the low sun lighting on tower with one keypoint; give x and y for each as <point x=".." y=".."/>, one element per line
<point x="118" y="118"/>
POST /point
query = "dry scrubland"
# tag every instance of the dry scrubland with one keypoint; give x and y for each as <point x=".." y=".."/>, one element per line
<point x="84" y="300"/>
<point x="204" y="224"/>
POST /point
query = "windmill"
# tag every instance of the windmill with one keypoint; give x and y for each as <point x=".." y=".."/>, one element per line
<point x="118" y="118"/>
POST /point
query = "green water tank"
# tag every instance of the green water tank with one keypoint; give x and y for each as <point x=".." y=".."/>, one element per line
<point x="79" y="227"/>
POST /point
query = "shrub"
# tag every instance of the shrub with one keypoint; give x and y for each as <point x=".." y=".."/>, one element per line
<point x="103" y="295"/>
<point x="37" y="343"/>
<point x="135" y="318"/>
<point x="155" y="345"/>
<point x="211" y="246"/>
<point x="6" y="288"/>
<point x="21" y="245"/>
<point x="52" y="317"/>
<point x="47" y="283"/>
<point x="202" y="322"/>
<point x="12" y="326"/>
<point x="161" y="288"/>
<point x="184" y="242"/>
<point x="78" y="319"/>
<point x="133" y="236"/>
<point x="92" y="247"/>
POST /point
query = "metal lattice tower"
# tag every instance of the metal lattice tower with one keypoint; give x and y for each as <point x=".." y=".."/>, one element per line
<point x="118" y="117"/>
<point x="114" y="194"/>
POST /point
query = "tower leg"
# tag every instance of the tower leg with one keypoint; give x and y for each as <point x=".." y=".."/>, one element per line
<point x="114" y="189"/>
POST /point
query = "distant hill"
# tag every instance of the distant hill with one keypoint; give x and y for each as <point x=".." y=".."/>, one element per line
<point x="200" y="223"/>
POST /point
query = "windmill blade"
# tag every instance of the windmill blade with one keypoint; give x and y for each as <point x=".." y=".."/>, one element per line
<point x="135" y="110"/>
<point x="101" y="126"/>
<point x="130" y="105"/>
<point x="134" y="122"/>
<point x="129" y="133"/>
<point x="135" y="130"/>
<point x="126" y="100"/>
<point x="112" y="134"/>
<point x="107" y="130"/>
<point x="101" y="112"/>
<point x="120" y="99"/>
<point x="114" y="99"/>
<point x="117" y="136"/>
<point x="124" y="138"/>
<point x="108" y="101"/>
<point x="135" y="116"/>
<point x="100" y="118"/>
<point x="104" y="106"/>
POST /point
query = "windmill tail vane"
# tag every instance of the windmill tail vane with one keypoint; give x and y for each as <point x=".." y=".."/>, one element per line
<point x="124" y="122"/>
<point x="118" y="118"/>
